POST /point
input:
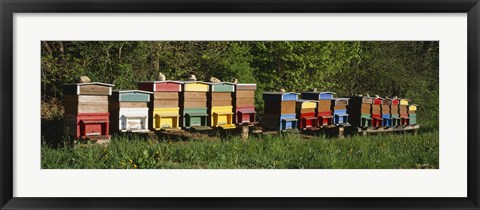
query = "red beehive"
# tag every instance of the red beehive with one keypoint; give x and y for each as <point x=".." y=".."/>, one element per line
<point x="324" y="112"/>
<point x="244" y="104"/>
<point x="394" y="111"/>
<point x="403" y="110"/>
<point x="91" y="125"/>
<point x="160" y="86"/>
<point x="394" y="101"/>
<point x="86" y="110"/>
<point x="308" y="121"/>
<point x="378" y="101"/>
<point x="306" y="115"/>
<point x="377" y="119"/>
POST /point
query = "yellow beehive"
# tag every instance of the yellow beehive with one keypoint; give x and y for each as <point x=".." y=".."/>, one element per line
<point x="222" y="116"/>
<point x="403" y="101"/>
<point x="412" y="107"/>
<point x="303" y="104"/>
<point x="196" y="87"/>
<point x="166" y="118"/>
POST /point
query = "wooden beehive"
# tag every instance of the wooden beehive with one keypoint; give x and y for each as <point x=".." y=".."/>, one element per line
<point x="306" y="114"/>
<point x="220" y="105"/>
<point x="324" y="112"/>
<point x="193" y="105"/>
<point x="164" y="109"/>
<point x="394" y="111"/>
<point x="129" y="110"/>
<point x="86" y="110"/>
<point x="377" y="119"/>
<point x="244" y="104"/>
<point x="403" y="112"/>
<point x="339" y="109"/>
<point x="412" y="114"/>
<point x="360" y="111"/>
<point x="386" y="114"/>
<point x="279" y="113"/>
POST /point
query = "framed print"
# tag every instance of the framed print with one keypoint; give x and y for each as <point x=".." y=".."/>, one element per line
<point x="254" y="105"/>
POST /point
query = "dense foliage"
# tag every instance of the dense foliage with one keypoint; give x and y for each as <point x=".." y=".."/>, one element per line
<point x="406" y="69"/>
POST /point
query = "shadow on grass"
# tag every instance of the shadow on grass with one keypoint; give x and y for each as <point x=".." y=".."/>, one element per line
<point x="133" y="135"/>
<point x="52" y="134"/>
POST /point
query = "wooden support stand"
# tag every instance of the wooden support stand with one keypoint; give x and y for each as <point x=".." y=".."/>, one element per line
<point x="94" y="140"/>
<point x="244" y="130"/>
<point x="152" y="136"/>
<point x="329" y="130"/>
<point x="404" y="129"/>
<point x="341" y="132"/>
<point x="270" y="132"/>
<point x="200" y="128"/>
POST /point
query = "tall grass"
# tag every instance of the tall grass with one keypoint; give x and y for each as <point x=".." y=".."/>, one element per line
<point x="289" y="151"/>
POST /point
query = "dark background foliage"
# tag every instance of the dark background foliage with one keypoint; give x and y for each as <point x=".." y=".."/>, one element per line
<point x="406" y="69"/>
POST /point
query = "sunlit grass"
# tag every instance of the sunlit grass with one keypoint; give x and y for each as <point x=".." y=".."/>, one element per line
<point x="267" y="152"/>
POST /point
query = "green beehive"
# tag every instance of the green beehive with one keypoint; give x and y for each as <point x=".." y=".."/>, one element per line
<point x="412" y="114"/>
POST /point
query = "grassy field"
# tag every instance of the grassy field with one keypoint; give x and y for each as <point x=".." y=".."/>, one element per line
<point x="290" y="151"/>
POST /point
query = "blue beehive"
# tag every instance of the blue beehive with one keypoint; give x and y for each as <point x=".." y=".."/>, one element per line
<point x="340" y="116"/>
<point x="280" y="96"/>
<point x="288" y="121"/>
<point x="386" y="115"/>
<point x="279" y="111"/>
<point x="339" y="107"/>
<point x="387" y="120"/>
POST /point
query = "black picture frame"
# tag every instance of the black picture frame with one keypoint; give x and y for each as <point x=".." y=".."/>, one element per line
<point x="9" y="7"/>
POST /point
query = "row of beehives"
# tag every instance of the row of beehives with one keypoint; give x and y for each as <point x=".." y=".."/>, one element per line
<point x="285" y="111"/>
<point x="92" y="109"/>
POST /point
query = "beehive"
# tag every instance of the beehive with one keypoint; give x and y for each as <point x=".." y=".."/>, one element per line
<point x="244" y="104"/>
<point x="394" y="111"/>
<point x="129" y="110"/>
<point x="193" y="105"/>
<point x="403" y="111"/>
<point x="386" y="114"/>
<point x="220" y="105"/>
<point x="86" y="110"/>
<point x="324" y="111"/>
<point x="279" y="113"/>
<point x="360" y="111"/>
<point x="339" y="109"/>
<point x="164" y="109"/>
<point x="377" y="119"/>
<point x="306" y="114"/>
<point x="412" y="114"/>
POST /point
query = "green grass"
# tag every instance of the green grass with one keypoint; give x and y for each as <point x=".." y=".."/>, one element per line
<point x="291" y="151"/>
